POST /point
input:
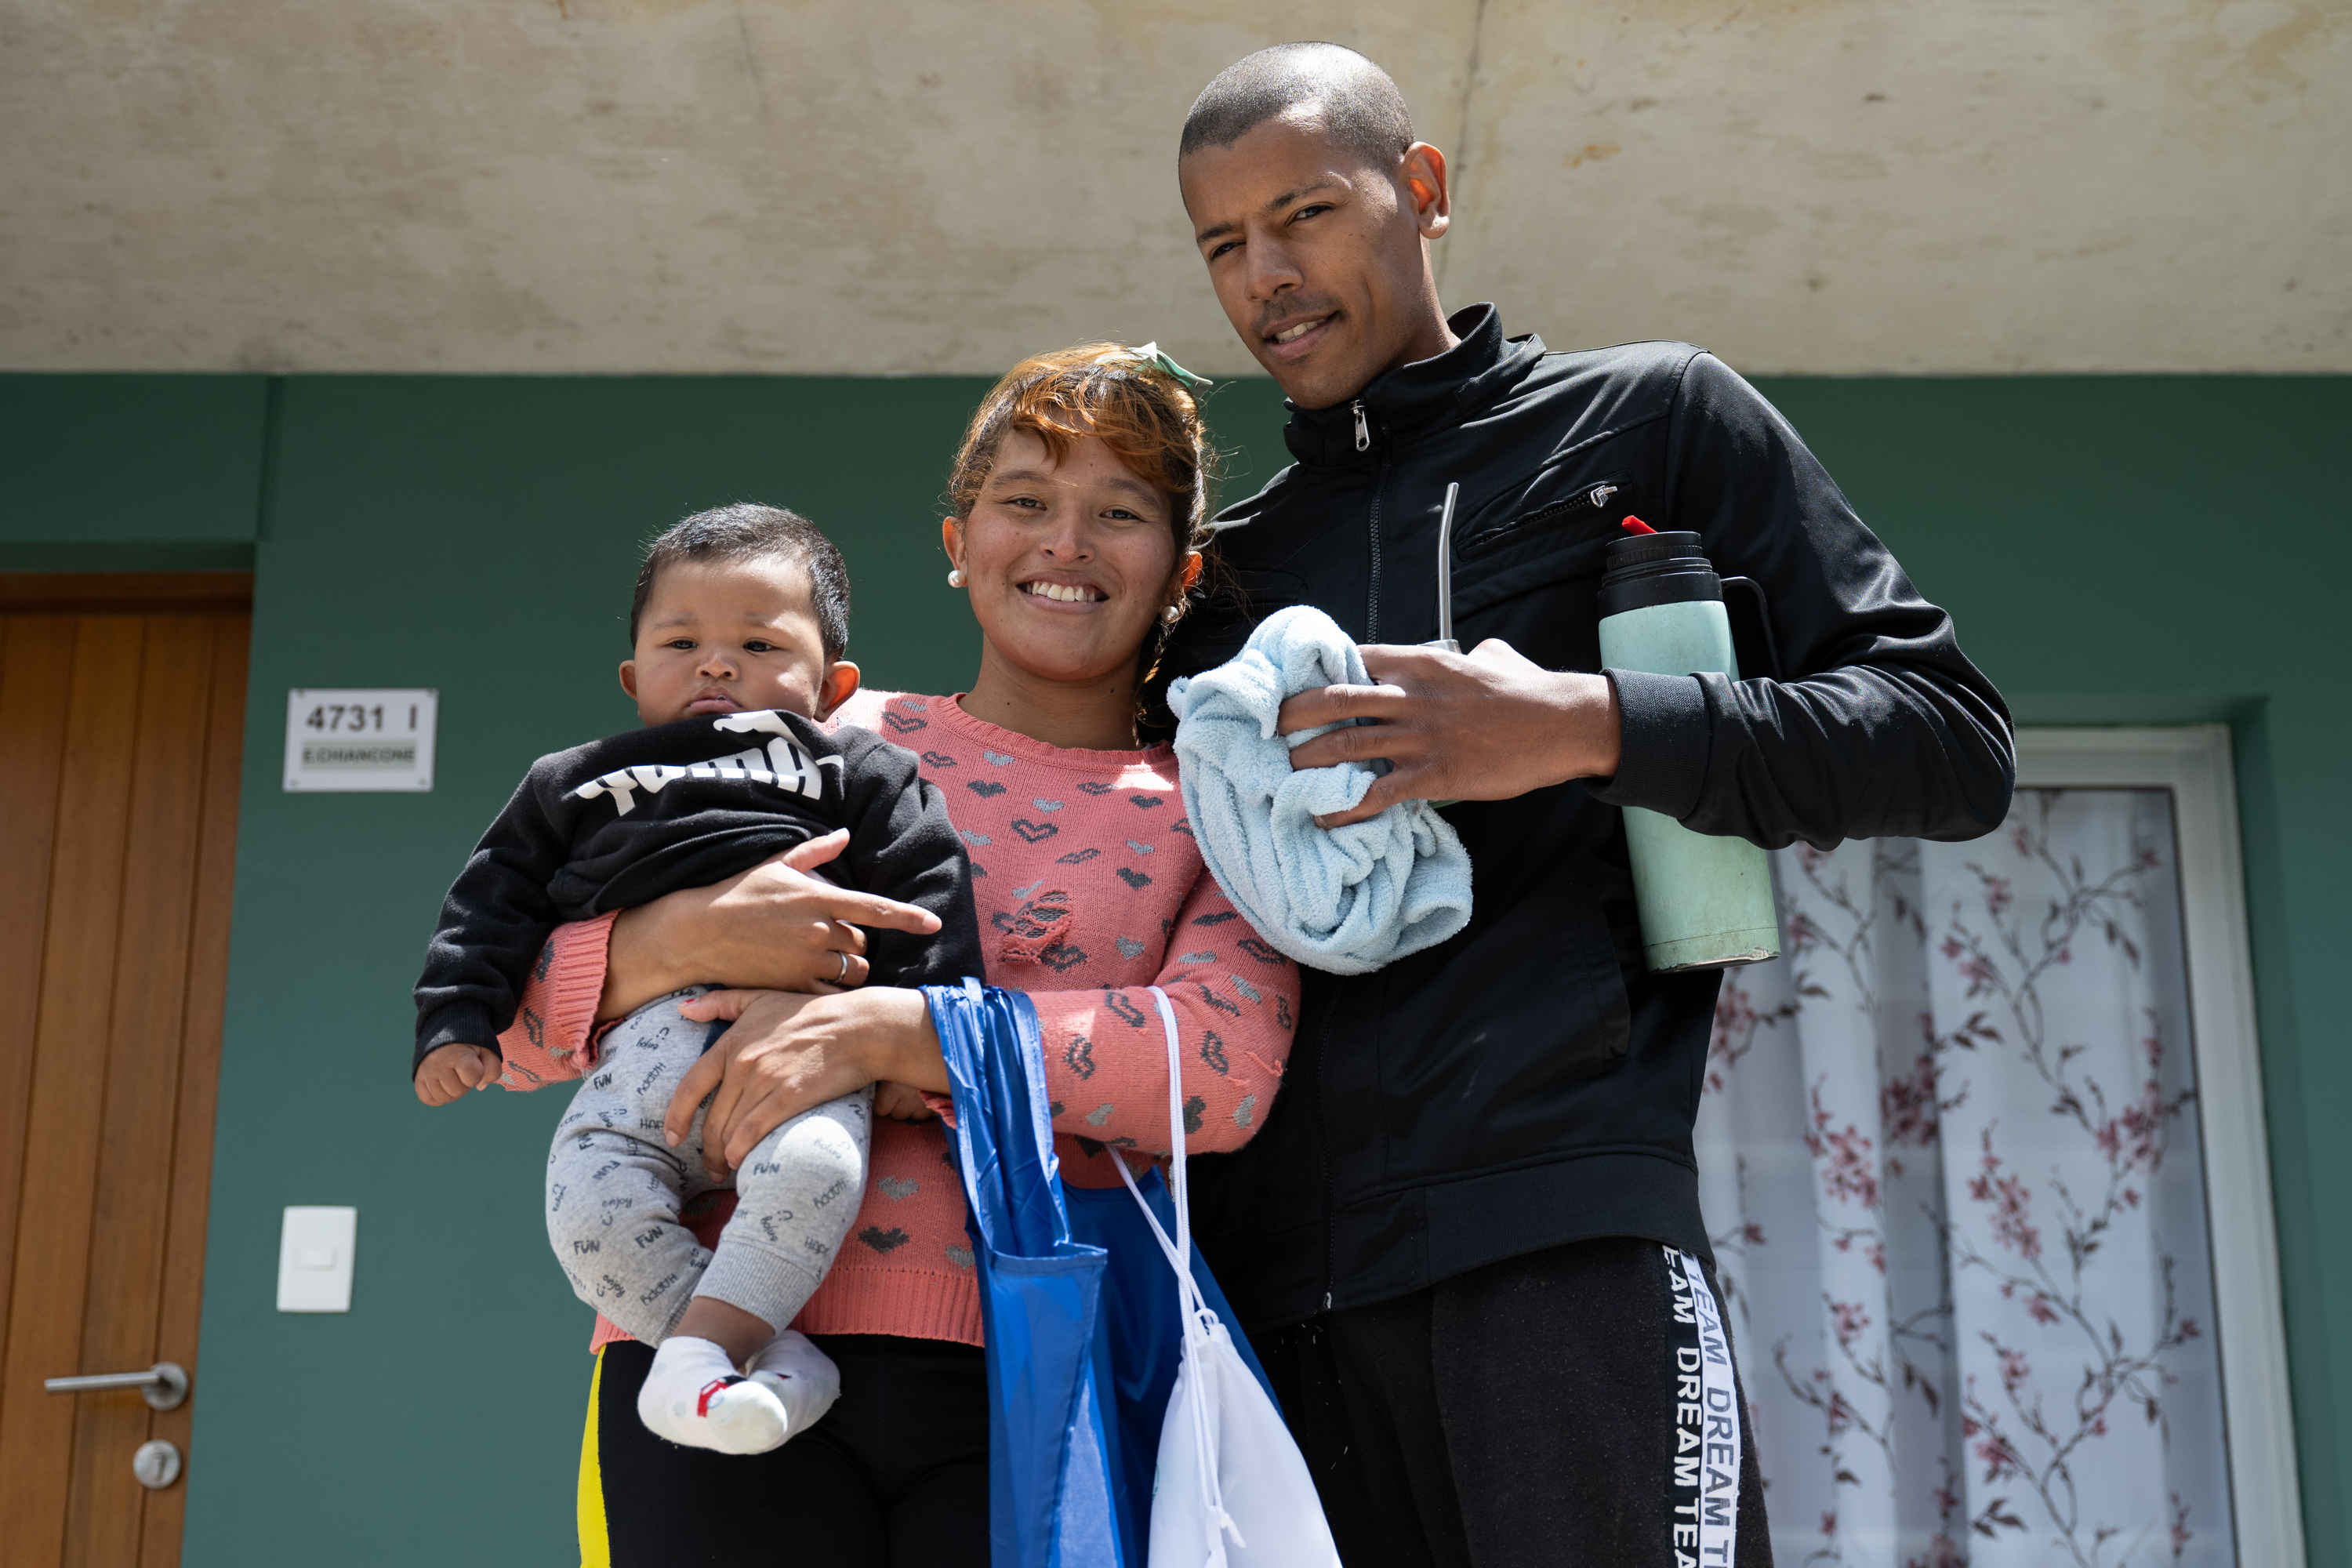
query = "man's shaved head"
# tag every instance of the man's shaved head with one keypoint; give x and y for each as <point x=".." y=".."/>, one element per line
<point x="1314" y="208"/>
<point x="1358" y="107"/>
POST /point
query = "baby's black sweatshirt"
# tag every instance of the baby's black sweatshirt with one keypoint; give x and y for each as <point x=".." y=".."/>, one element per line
<point x="619" y="822"/>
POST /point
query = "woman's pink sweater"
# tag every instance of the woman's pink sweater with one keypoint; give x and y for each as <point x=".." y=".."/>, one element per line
<point x="1089" y="889"/>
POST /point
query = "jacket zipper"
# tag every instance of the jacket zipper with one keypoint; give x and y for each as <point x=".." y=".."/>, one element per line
<point x="1593" y="498"/>
<point x="1323" y="1039"/>
<point x="1373" y="608"/>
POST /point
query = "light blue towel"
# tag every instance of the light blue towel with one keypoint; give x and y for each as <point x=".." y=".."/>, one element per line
<point x="1347" y="901"/>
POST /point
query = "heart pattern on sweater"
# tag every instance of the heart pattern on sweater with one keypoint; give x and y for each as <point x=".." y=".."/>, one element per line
<point x="984" y="788"/>
<point x="1133" y="879"/>
<point x="905" y="723"/>
<point x="996" y="759"/>
<point x="1034" y="832"/>
<point x="1212" y="1053"/>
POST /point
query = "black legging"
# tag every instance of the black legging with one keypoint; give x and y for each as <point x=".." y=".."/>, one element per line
<point x="896" y="1476"/>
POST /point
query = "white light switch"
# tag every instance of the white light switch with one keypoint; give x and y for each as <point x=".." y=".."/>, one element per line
<point x="314" y="1260"/>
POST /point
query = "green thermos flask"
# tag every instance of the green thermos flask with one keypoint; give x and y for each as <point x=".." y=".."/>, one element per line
<point x="1706" y="902"/>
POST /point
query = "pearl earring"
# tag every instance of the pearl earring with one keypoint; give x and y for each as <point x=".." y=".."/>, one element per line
<point x="1172" y="614"/>
<point x="955" y="578"/>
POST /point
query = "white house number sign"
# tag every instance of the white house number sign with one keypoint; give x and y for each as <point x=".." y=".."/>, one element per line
<point x="360" y="738"/>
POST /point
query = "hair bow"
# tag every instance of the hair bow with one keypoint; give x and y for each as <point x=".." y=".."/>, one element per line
<point x="1150" y="353"/>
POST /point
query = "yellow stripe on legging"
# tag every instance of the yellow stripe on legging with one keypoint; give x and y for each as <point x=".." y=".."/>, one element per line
<point x="595" y="1549"/>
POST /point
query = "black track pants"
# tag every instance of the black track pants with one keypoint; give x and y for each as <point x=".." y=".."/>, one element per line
<point x="896" y="1476"/>
<point x="1526" y="1414"/>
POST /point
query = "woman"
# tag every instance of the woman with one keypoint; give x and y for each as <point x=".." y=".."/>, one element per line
<point x="1079" y="507"/>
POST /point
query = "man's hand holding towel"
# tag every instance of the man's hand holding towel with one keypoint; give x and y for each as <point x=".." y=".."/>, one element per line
<point x="1348" y="899"/>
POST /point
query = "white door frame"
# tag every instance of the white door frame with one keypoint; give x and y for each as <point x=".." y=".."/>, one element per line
<point x="2194" y="763"/>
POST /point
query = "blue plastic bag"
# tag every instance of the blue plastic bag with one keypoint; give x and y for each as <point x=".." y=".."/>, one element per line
<point x="1050" y="1470"/>
<point x="1084" y="1337"/>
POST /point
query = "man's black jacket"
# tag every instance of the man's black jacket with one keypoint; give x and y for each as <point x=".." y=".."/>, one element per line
<point x="1527" y="1083"/>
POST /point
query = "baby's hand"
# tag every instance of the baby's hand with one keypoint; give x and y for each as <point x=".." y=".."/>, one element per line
<point x="899" y="1103"/>
<point x="450" y="1070"/>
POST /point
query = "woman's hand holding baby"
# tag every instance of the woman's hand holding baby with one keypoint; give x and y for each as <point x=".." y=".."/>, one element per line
<point x="450" y="1072"/>
<point x="788" y="1053"/>
<point x="775" y="926"/>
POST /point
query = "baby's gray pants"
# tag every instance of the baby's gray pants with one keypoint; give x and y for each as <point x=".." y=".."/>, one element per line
<point x="614" y="1188"/>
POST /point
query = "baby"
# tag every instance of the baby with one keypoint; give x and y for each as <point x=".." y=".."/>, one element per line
<point x="737" y="629"/>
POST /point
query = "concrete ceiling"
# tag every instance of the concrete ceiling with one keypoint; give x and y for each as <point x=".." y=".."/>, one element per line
<point x="863" y="186"/>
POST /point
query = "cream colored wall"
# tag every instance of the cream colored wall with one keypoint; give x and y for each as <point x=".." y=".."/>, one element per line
<point x="903" y="186"/>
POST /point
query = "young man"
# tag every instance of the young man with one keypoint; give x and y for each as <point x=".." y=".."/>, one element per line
<point x="1468" y="1239"/>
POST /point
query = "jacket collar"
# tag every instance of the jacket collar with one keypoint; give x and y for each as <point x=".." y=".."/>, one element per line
<point x="1414" y="397"/>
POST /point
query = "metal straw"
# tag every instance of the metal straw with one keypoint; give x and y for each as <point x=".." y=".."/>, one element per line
<point x="1446" y="574"/>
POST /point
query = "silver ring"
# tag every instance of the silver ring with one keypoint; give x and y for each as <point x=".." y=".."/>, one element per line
<point x="844" y="968"/>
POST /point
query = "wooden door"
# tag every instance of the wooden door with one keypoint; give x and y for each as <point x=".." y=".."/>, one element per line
<point x="121" y="715"/>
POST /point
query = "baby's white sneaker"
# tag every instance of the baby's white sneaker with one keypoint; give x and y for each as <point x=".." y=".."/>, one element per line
<point x="802" y="1377"/>
<point x="694" y="1396"/>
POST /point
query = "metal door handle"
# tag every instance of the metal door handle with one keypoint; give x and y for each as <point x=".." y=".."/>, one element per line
<point x="163" y="1385"/>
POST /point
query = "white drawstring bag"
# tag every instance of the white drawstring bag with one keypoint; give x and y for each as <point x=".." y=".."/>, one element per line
<point x="1232" y="1490"/>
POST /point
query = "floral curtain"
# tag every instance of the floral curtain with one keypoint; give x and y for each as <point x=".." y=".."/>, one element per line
<point x="1948" y="1153"/>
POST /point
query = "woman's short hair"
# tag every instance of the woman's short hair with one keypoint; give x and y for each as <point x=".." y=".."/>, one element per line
<point x="1149" y="419"/>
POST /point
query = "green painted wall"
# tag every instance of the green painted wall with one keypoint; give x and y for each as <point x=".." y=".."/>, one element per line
<point x="154" y="473"/>
<point x="2117" y="551"/>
